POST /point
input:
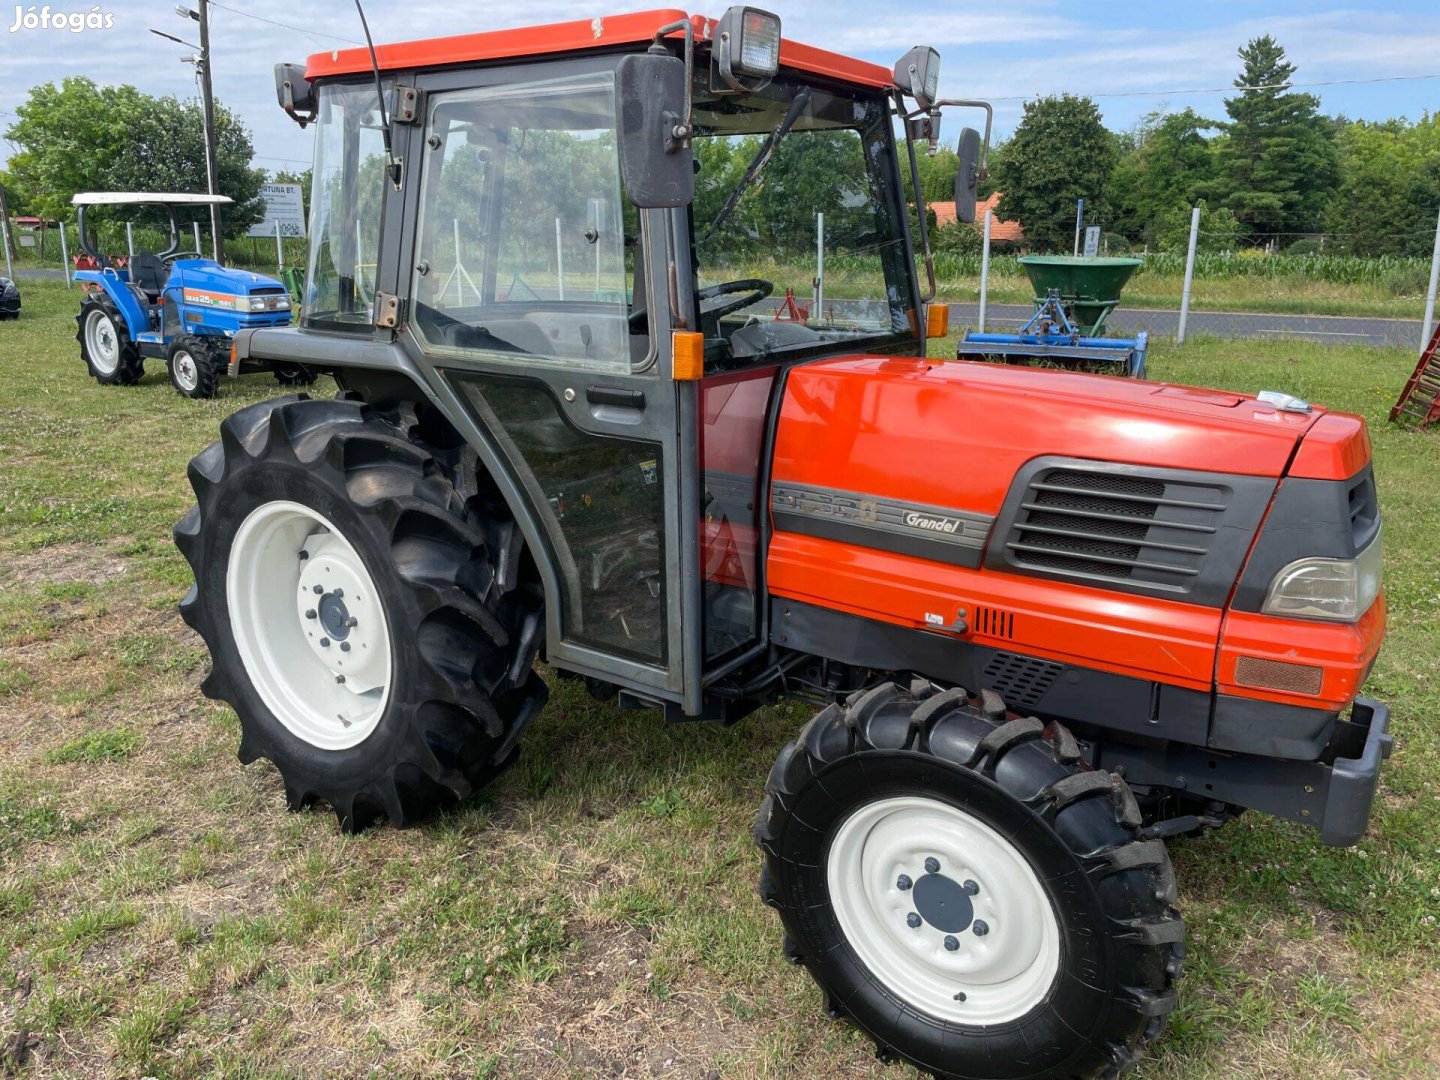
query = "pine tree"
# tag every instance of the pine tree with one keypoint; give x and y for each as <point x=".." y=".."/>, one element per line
<point x="1278" y="159"/>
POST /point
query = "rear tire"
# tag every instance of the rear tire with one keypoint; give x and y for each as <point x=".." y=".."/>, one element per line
<point x="966" y="891"/>
<point x="430" y="701"/>
<point x="105" y="345"/>
<point x="293" y="375"/>
<point x="194" y="368"/>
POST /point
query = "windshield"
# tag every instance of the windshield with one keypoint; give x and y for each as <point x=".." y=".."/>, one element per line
<point x="348" y="189"/>
<point x="799" y="239"/>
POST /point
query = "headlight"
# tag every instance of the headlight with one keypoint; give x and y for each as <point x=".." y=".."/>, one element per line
<point x="752" y="37"/>
<point x="1338" y="589"/>
<point x="270" y="303"/>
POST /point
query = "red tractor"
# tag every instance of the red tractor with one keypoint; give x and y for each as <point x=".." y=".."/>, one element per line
<point x="1047" y="620"/>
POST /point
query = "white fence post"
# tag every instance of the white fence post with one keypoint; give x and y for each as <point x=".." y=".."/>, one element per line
<point x="5" y="243"/>
<point x="129" y="241"/>
<point x="279" y="250"/>
<point x="1429" y="325"/>
<point x="559" y="259"/>
<point x="819" y="265"/>
<point x="1189" y="276"/>
<point x="985" y="272"/>
<point x="196" y="226"/>
<point x="65" y="256"/>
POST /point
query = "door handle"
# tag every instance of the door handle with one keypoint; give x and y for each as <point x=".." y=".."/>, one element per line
<point x="615" y="395"/>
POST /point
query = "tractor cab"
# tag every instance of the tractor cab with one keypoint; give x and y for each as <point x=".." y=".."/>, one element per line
<point x="174" y="305"/>
<point x="601" y="246"/>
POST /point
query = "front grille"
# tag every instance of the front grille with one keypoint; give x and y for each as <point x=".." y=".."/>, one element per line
<point x="993" y="622"/>
<point x="1020" y="680"/>
<point x="1119" y="526"/>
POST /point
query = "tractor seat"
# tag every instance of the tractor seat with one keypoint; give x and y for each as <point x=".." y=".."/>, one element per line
<point x="148" y="273"/>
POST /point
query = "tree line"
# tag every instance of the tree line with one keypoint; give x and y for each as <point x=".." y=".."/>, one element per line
<point x="1274" y="172"/>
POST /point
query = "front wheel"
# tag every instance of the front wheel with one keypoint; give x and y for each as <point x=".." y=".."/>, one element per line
<point x="194" y="368"/>
<point x="369" y="626"/>
<point x="293" y="374"/>
<point x="966" y="891"/>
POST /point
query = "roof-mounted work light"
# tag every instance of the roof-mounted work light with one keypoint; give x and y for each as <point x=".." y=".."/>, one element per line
<point x="917" y="73"/>
<point x="747" y="45"/>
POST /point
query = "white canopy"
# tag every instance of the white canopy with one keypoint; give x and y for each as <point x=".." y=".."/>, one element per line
<point x="134" y="198"/>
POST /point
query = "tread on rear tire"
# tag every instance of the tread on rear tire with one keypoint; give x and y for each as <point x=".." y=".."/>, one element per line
<point x="463" y="627"/>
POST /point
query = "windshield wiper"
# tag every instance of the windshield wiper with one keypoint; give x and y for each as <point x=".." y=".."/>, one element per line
<point x="767" y="150"/>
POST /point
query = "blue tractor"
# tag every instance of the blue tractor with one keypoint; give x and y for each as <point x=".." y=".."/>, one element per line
<point x="173" y="305"/>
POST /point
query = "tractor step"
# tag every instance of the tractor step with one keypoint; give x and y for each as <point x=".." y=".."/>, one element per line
<point x="1419" y="402"/>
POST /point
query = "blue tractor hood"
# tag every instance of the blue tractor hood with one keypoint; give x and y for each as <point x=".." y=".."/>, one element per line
<point x="220" y="299"/>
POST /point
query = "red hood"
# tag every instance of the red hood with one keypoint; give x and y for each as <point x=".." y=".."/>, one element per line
<point x="954" y="434"/>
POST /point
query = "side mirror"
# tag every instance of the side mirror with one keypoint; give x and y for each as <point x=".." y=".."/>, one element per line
<point x="295" y="93"/>
<point x="967" y="176"/>
<point x="656" y="164"/>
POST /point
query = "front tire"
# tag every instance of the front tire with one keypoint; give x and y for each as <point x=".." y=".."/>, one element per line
<point x="110" y="356"/>
<point x="293" y="375"/>
<point x="367" y="624"/>
<point x="194" y="368"/>
<point x="966" y="891"/>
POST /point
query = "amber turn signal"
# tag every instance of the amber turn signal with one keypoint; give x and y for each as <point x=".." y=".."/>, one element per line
<point x="689" y="353"/>
<point x="937" y="320"/>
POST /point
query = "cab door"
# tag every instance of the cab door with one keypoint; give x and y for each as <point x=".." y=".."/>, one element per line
<point x="530" y="286"/>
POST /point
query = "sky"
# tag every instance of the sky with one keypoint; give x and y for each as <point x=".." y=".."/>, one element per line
<point x="1133" y="57"/>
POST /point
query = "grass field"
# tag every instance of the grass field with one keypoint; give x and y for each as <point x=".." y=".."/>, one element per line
<point x="594" y="913"/>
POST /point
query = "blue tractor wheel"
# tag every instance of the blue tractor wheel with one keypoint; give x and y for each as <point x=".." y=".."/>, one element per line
<point x="195" y="367"/>
<point x="105" y="343"/>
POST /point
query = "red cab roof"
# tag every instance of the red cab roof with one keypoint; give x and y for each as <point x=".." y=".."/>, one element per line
<point x="573" y="37"/>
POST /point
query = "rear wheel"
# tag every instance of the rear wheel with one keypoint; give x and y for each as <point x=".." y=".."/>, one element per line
<point x="105" y="345"/>
<point x="966" y="891"/>
<point x="368" y="624"/>
<point x="194" y="368"/>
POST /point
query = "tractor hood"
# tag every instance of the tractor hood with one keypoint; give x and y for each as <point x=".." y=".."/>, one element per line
<point x="209" y="285"/>
<point x="955" y="434"/>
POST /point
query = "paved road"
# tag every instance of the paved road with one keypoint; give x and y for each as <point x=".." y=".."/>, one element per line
<point x="1330" y="329"/>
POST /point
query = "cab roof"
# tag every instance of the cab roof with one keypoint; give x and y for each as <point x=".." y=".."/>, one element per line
<point x="539" y="42"/>
<point x="146" y="198"/>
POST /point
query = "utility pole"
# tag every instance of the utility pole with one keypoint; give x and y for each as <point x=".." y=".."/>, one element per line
<point x="207" y="93"/>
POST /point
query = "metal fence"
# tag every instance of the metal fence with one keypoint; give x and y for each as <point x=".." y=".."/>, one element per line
<point x="1326" y="298"/>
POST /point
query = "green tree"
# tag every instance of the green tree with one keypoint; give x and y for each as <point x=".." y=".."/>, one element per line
<point x="1167" y="161"/>
<point x="1389" y="187"/>
<point x="1060" y="152"/>
<point x="1278" y="162"/>
<point x="80" y="136"/>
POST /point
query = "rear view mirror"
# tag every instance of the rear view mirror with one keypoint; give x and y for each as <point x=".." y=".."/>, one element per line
<point x="967" y="176"/>
<point x="295" y="93"/>
<point x="656" y="166"/>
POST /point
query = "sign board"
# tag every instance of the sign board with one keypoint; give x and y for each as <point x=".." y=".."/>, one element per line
<point x="27" y="239"/>
<point x="285" y="204"/>
<point x="1092" y="241"/>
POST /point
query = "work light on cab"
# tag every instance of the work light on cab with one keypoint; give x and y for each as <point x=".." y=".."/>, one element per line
<point x="747" y="43"/>
<point x="917" y="73"/>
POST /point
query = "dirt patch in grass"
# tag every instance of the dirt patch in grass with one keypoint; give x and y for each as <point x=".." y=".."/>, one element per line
<point x="64" y="564"/>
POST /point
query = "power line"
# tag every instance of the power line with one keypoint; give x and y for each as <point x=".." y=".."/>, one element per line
<point x="284" y="26"/>
<point x="1232" y="88"/>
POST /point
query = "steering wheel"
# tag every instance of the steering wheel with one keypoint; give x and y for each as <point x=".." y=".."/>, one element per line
<point x="182" y="255"/>
<point x="754" y="289"/>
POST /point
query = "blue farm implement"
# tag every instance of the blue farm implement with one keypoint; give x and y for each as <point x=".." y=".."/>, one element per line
<point x="172" y="305"/>
<point x="1073" y="299"/>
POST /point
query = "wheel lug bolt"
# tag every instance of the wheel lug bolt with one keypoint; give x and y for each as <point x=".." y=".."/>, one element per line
<point x="981" y="928"/>
<point x="352" y="621"/>
<point x="324" y="642"/>
<point x="903" y="882"/>
<point x="951" y="943"/>
<point x="339" y="594"/>
<point x="339" y="678"/>
<point x="319" y="590"/>
<point x="913" y="921"/>
<point x="310" y="614"/>
<point x="932" y="866"/>
<point x="344" y="646"/>
<point x="304" y="554"/>
<point x="972" y="888"/>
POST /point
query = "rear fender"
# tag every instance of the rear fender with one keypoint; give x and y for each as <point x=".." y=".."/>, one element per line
<point x="384" y="374"/>
<point x="137" y="318"/>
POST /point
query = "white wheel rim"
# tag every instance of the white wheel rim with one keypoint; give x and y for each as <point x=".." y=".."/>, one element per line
<point x="289" y="618"/>
<point x="102" y="342"/>
<point x="986" y="949"/>
<point x="187" y="375"/>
